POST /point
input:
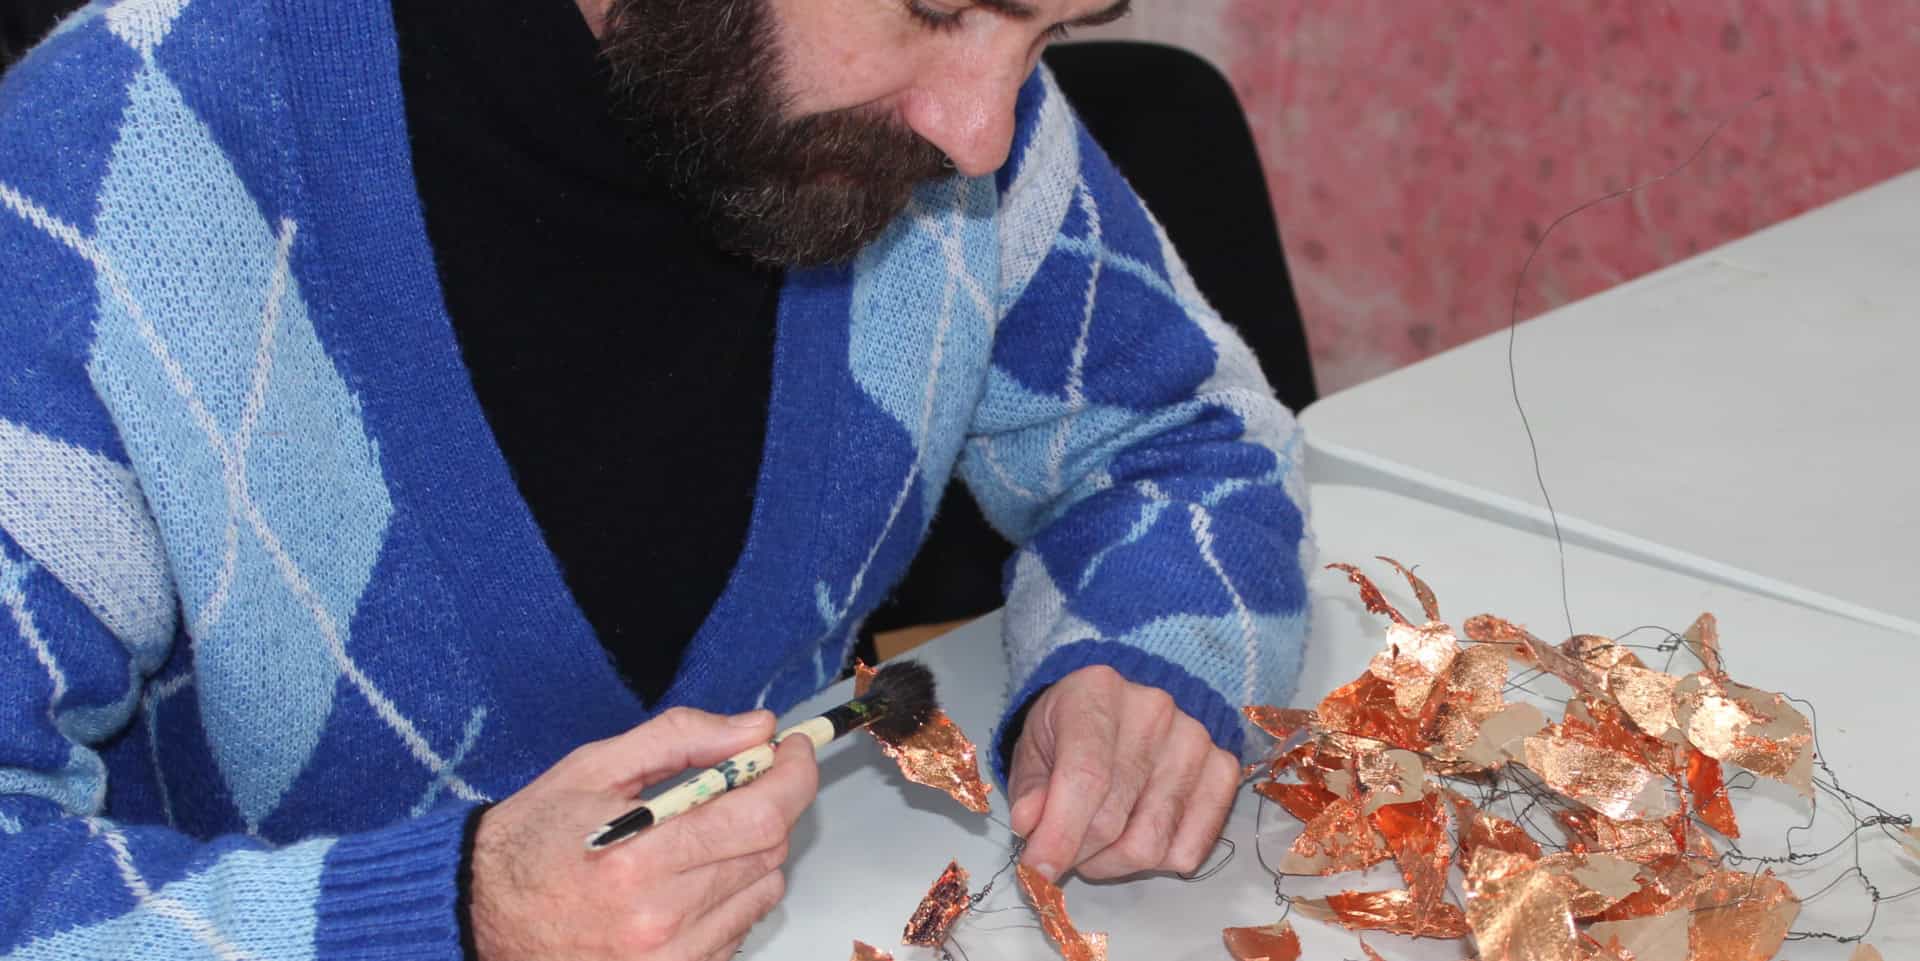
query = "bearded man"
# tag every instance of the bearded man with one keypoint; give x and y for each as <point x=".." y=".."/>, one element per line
<point x="423" y="426"/>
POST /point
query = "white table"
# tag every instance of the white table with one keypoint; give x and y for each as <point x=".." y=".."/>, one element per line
<point x="1751" y="414"/>
<point x="872" y="844"/>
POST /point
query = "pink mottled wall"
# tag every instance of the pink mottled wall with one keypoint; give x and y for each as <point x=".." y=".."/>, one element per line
<point x="1416" y="149"/>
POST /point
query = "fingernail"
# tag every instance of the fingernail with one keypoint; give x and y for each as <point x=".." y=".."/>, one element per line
<point x="749" y="719"/>
<point x="1047" y="871"/>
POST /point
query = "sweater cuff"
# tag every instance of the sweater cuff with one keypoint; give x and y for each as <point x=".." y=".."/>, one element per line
<point x="1192" y="695"/>
<point x="393" y="893"/>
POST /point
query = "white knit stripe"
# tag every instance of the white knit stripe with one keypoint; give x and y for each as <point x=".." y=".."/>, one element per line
<point x="990" y="455"/>
<point x="14" y="598"/>
<point x="330" y="631"/>
<point x="209" y="615"/>
<point x="236" y="483"/>
<point x="476" y="721"/>
<point x="1202" y="526"/>
<point x="172" y="909"/>
<point x="155" y="696"/>
<point x="10" y="824"/>
<point x="1077" y="366"/>
<point x="263" y="351"/>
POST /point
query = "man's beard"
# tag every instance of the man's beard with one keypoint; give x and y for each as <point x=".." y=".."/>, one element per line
<point x="697" y="82"/>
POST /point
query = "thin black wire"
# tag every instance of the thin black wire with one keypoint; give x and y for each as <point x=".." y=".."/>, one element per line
<point x="1513" y="333"/>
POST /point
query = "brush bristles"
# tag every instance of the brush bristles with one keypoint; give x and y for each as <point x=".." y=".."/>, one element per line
<point x="906" y="687"/>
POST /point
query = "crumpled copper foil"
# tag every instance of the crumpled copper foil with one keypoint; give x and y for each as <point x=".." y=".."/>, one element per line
<point x="1303" y="801"/>
<point x="1470" y="692"/>
<point x="1413" y="662"/>
<point x="1597" y="657"/>
<point x="1478" y="829"/>
<point x="1329" y="760"/>
<point x="1395" y="911"/>
<point x="1646" y="696"/>
<point x="1703" y="639"/>
<point x="867" y="952"/>
<point x="1280" y="722"/>
<point x="1601" y="880"/>
<point x="1659" y="937"/>
<point x="1387" y="777"/>
<point x="939" y="755"/>
<point x="1632" y="768"/>
<point x="1637" y="841"/>
<point x="1756" y="729"/>
<point x="1573" y="669"/>
<point x="1367" y="950"/>
<point x="1051" y="906"/>
<point x="1600" y="721"/>
<point x="1367" y="708"/>
<point x="945" y="902"/>
<point x="1519" y="911"/>
<point x="1502" y="737"/>
<point x="1665" y="884"/>
<point x="1340" y="839"/>
<point x="1274" y="942"/>
<point x="1611" y="783"/>
<point x="1370" y="595"/>
<point x="1739" y="916"/>
<point x="1708" y="789"/>
<point x="1429" y="605"/>
<point x="1488" y="629"/>
<point x="1417" y="835"/>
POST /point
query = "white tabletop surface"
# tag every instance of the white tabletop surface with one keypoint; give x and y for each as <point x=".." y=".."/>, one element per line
<point x="870" y="847"/>
<point x="1751" y="413"/>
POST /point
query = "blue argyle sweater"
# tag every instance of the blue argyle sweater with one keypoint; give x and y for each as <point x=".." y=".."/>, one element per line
<point x="273" y="618"/>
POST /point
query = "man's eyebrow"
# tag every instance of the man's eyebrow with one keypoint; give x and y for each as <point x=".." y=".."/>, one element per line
<point x="1020" y="10"/>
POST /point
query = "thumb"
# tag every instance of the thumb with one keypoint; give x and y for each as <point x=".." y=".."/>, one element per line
<point x="1027" y="786"/>
<point x="677" y="739"/>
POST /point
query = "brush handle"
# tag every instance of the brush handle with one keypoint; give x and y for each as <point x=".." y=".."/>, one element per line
<point x="736" y="771"/>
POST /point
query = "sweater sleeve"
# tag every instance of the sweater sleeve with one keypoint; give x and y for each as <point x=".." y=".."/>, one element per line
<point x="91" y="634"/>
<point x="83" y="883"/>
<point x="1129" y="445"/>
<point x="89" y="624"/>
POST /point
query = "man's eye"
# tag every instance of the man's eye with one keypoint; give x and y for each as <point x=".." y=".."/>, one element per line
<point x="934" y="17"/>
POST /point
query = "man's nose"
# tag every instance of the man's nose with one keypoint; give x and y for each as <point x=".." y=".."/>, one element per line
<point x="966" y="110"/>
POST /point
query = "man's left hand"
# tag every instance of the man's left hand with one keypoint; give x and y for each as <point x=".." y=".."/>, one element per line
<point x="1111" y="778"/>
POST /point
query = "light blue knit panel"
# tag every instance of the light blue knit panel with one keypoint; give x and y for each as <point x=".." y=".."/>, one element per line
<point x="1034" y="447"/>
<point x="923" y="318"/>
<point x="249" y="904"/>
<point x="256" y="462"/>
<point x="1233" y="652"/>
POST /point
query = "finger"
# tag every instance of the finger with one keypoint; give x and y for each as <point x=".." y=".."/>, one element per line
<point x="1140" y="748"/>
<point x="695" y="893"/>
<point x="727" y="953"/>
<point x="1077" y="786"/>
<point x="1028" y="784"/>
<point x="1150" y="827"/>
<point x="672" y="741"/>
<point x="1206" y="813"/>
<point x="746" y="820"/>
<point x="729" y="922"/>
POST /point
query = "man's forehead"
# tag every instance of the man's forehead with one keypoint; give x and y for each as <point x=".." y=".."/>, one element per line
<point x="1085" y="13"/>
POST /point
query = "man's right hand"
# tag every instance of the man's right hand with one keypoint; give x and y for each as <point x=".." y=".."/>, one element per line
<point x="687" y="889"/>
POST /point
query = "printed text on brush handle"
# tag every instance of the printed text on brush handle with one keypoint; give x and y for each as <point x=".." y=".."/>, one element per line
<point x="733" y="772"/>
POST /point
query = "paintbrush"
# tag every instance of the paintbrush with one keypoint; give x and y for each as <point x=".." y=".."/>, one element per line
<point x="898" y="704"/>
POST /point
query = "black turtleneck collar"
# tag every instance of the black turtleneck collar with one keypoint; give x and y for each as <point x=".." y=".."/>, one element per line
<point x="623" y="362"/>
